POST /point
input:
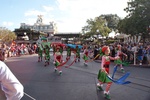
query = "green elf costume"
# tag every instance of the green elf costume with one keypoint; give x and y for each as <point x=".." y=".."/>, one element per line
<point x="68" y="53"/>
<point x="40" y="53"/>
<point x="47" y="55"/>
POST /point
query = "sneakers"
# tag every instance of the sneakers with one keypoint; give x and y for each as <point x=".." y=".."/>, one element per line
<point x="85" y="64"/>
<point x="60" y="72"/>
<point x="55" y="69"/>
<point x="99" y="87"/>
<point x="107" y="96"/>
<point x="122" y="70"/>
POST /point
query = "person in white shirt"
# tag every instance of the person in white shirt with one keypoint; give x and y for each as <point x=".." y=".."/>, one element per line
<point x="11" y="86"/>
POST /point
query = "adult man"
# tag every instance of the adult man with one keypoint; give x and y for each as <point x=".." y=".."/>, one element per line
<point x="12" y="88"/>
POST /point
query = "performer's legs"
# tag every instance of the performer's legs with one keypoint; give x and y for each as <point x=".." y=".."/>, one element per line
<point x="100" y="85"/>
<point x="121" y="67"/>
<point x="106" y="92"/>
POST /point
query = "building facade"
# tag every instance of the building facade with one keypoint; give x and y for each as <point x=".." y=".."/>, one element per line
<point x="39" y="26"/>
<point x="30" y="33"/>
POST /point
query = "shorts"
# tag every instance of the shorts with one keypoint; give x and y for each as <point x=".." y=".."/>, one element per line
<point x="140" y="57"/>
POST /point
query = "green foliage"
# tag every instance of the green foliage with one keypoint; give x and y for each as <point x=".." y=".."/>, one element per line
<point x="112" y="21"/>
<point x="96" y="26"/>
<point x="7" y="36"/>
<point x="138" y="19"/>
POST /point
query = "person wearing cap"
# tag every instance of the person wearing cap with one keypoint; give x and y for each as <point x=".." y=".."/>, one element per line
<point x="11" y="86"/>
<point x="104" y="71"/>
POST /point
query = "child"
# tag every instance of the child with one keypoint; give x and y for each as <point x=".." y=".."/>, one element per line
<point x="85" y="56"/>
<point x="57" y="60"/>
<point x="47" y="55"/>
<point x="120" y="54"/>
<point x="68" y="53"/>
<point x="40" y="53"/>
<point x="104" y="71"/>
<point x="77" y="53"/>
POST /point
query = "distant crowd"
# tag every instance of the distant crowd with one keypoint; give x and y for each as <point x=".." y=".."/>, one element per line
<point x="14" y="50"/>
<point x="138" y="51"/>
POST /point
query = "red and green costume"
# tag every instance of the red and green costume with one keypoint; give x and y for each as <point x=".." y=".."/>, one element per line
<point x="57" y="61"/>
<point x="68" y="52"/>
<point x="85" y="55"/>
<point x="40" y="54"/>
<point x="77" y="53"/>
<point x="47" y="55"/>
<point x="102" y="76"/>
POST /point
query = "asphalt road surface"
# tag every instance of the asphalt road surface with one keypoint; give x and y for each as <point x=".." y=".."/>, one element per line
<point x="78" y="82"/>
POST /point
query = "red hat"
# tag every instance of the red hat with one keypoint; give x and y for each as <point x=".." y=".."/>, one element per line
<point x="104" y="48"/>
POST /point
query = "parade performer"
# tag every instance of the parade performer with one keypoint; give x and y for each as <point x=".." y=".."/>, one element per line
<point x="40" y="53"/>
<point x="85" y="56"/>
<point x="77" y="53"/>
<point x="61" y="51"/>
<point x="120" y="54"/>
<point x="58" y="60"/>
<point x="54" y="48"/>
<point x="47" y="55"/>
<point x="104" y="71"/>
<point x="68" y="53"/>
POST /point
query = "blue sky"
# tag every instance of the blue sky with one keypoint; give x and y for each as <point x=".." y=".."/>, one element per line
<point x="69" y="15"/>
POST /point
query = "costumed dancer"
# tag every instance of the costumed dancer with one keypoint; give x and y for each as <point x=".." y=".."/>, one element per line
<point x="54" y="48"/>
<point x="104" y="71"/>
<point x="85" y="56"/>
<point x="57" y="60"/>
<point x="61" y="51"/>
<point x="40" y="53"/>
<point x="68" y="53"/>
<point x="47" y="54"/>
<point x="120" y="54"/>
<point x="77" y="53"/>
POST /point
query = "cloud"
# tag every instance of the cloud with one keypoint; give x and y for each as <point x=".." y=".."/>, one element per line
<point x="78" y="11"/>
<point x="71" y="15"/>
<point x="7" y="24"/>
<point x="34" y="13"/>
<point x="48" y="8"/>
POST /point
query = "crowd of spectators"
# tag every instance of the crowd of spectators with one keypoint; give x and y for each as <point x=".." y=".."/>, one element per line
<point x="138" y="53"/>
<point x="14" y="50"/>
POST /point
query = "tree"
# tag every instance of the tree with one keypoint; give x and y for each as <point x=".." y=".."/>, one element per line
<point x="6" y="35"/>
<point x="138" y="19"/>
<point x="112" y="21"/>
<point x="96" y="26"/>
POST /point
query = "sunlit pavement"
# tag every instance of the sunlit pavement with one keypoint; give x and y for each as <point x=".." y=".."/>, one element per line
<point x="78" y="82"/>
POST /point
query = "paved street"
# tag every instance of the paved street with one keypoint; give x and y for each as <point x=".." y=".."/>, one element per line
<point x="76" y="83"/>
